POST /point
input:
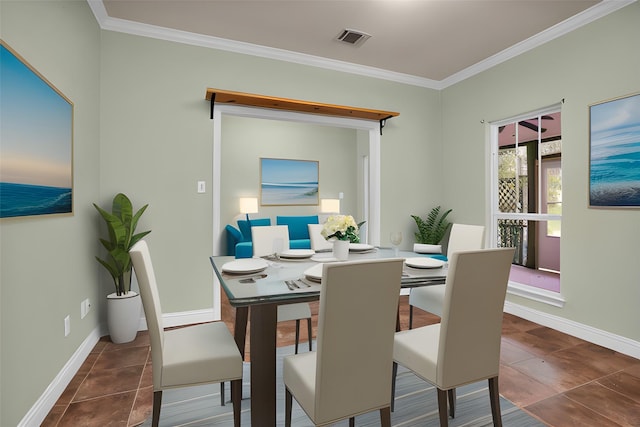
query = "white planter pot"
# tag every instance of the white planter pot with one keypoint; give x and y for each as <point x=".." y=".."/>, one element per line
<point x="123" y="316"/>
<point x="341" y="249"/>
<point x="423" y="248"/>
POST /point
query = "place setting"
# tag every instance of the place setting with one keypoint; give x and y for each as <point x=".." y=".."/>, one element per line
<point x="244" y="266"/>
<point x="296" y="254"/>
<point x="361" y="248"/>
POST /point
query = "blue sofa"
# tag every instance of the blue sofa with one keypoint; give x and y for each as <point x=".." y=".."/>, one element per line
<point x="239" y="239"/>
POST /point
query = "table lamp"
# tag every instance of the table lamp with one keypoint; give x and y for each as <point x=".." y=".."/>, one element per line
<point x="248" y="205"/>
<point x="330" y="206"/>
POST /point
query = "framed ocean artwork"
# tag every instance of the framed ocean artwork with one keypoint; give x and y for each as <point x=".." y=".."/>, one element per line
<point x="36" y="154"/>
<point x="614" y="163"/>
<point x="288" y="182"/>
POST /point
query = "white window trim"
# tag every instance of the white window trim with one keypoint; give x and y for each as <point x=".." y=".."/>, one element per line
<point x="514" y="288"/>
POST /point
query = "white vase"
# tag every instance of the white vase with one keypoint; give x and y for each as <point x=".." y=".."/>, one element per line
<point x="123" y="316"/>
<point x="341" y="249"/>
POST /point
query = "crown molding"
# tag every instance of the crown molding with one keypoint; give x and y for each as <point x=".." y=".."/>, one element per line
<point x="129" y="27"/>
<point x="593" y="13"/>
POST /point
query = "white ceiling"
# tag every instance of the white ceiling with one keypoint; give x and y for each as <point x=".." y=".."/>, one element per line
<point x="431" y="43"/>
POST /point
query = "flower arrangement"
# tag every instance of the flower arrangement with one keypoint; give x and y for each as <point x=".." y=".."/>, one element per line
<point x="341" y="227"/>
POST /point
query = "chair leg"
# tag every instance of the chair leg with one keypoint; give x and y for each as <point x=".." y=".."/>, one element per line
<point x="309" y="332"/>
<point x="157" y="403"/>
<point x="222" y="393"/>
<point x="394" y="373"/>
<point x="495" y="402"/>
<point x="297" y="334"/>
<point x="236" y="399"/>
<point x="352" y="422"/>
<point x="410" y="317"/>
<point x="385" y="417"/>
<point x="442" y="408"/>
<point x="452" y="402"/>
<point x="288" y="403"/>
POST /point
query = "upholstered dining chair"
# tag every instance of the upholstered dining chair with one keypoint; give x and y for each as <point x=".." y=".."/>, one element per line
<point x="187" y="356"/>
<point x="465" y="346"/>
<point x="263" y="245"/>
<point x="463" y="237"/>
<point x="318" y="242"/>
<point x="334" y="382"/>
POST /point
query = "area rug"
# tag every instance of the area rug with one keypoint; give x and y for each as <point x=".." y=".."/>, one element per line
<point x="416" y="405"/>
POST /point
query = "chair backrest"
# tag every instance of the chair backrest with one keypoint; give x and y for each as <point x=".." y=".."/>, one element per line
<point x="464" y="237"/>
<point x="471" y="325"/>
<point x="141" y="260"/>
<point x="318" y="242"/>
<point x="263" y="239"/>
<point x="246" y="226"/>
<point x="357" y="316"/>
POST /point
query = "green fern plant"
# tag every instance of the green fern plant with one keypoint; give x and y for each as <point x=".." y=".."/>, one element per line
<point x="432" y="229"/>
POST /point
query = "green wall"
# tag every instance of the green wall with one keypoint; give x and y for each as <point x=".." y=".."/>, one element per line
<point x="599" y="254"/>
<point x="142" y="127"/>
<point x="46" y="263"/>
<point x="153" y="109"/>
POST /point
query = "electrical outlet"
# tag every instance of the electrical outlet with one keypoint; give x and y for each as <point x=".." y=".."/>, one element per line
<point x="67" y="326"/>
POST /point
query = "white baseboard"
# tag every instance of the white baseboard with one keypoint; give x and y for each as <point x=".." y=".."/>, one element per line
<point x="50" y="396"/>
<point x="596" y="336"/>
<point x="43" y="405"/>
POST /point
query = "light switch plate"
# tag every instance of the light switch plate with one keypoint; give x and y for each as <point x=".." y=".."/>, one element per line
<point x="201" y="187"/>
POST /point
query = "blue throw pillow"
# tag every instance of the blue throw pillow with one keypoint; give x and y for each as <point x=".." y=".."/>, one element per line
<point x="297" y="225"/>
<point x="245" y="228"/>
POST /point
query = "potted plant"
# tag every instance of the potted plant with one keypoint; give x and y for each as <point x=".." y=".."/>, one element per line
<point x="123" y="306"/>
<point x="431" y="231"/>
<point x="342" y="230"/>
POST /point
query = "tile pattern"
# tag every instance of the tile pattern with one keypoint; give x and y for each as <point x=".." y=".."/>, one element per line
<point x="559" y="379"/>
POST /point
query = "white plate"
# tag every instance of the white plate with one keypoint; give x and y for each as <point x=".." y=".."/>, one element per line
<point x="424" y="262"/>
<point x="245" y="266"/>
<point x="324" y="257"/>
<point x="360" y="247"/>
<point x="297" y="253"/>
<point x="314" y="273"/>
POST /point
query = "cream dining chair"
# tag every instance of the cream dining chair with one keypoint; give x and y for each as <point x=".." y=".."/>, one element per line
<point x="465" y="346"/>
<point x="334" y="382"/>
<point x="318" y="242"/>
<point x="263" y="240"/>
<point x="187" y="356"/>
<point x="463" y="237"/>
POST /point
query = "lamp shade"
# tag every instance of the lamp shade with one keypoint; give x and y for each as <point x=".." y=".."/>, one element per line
<point x="330" y="205"/>
<point x="248" y="205"/>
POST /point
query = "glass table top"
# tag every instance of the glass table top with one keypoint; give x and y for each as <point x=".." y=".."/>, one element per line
<point x="265" y="281"/>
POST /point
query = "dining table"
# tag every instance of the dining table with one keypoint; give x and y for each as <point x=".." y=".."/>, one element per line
<point x="256" y="286"/>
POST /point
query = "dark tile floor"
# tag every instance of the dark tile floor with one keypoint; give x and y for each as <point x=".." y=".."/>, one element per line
<point x="559" y="379"/>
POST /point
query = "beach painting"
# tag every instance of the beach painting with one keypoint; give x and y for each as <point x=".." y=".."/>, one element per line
<point x="614" y="168"/>
<point x="36" y="154"/>
<point x="288" y="182"/>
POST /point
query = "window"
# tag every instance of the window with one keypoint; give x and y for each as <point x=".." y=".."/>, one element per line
<point x="526" y="191"/>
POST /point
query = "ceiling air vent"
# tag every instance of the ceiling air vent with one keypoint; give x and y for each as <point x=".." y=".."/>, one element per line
<point x="353" y="37"/>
